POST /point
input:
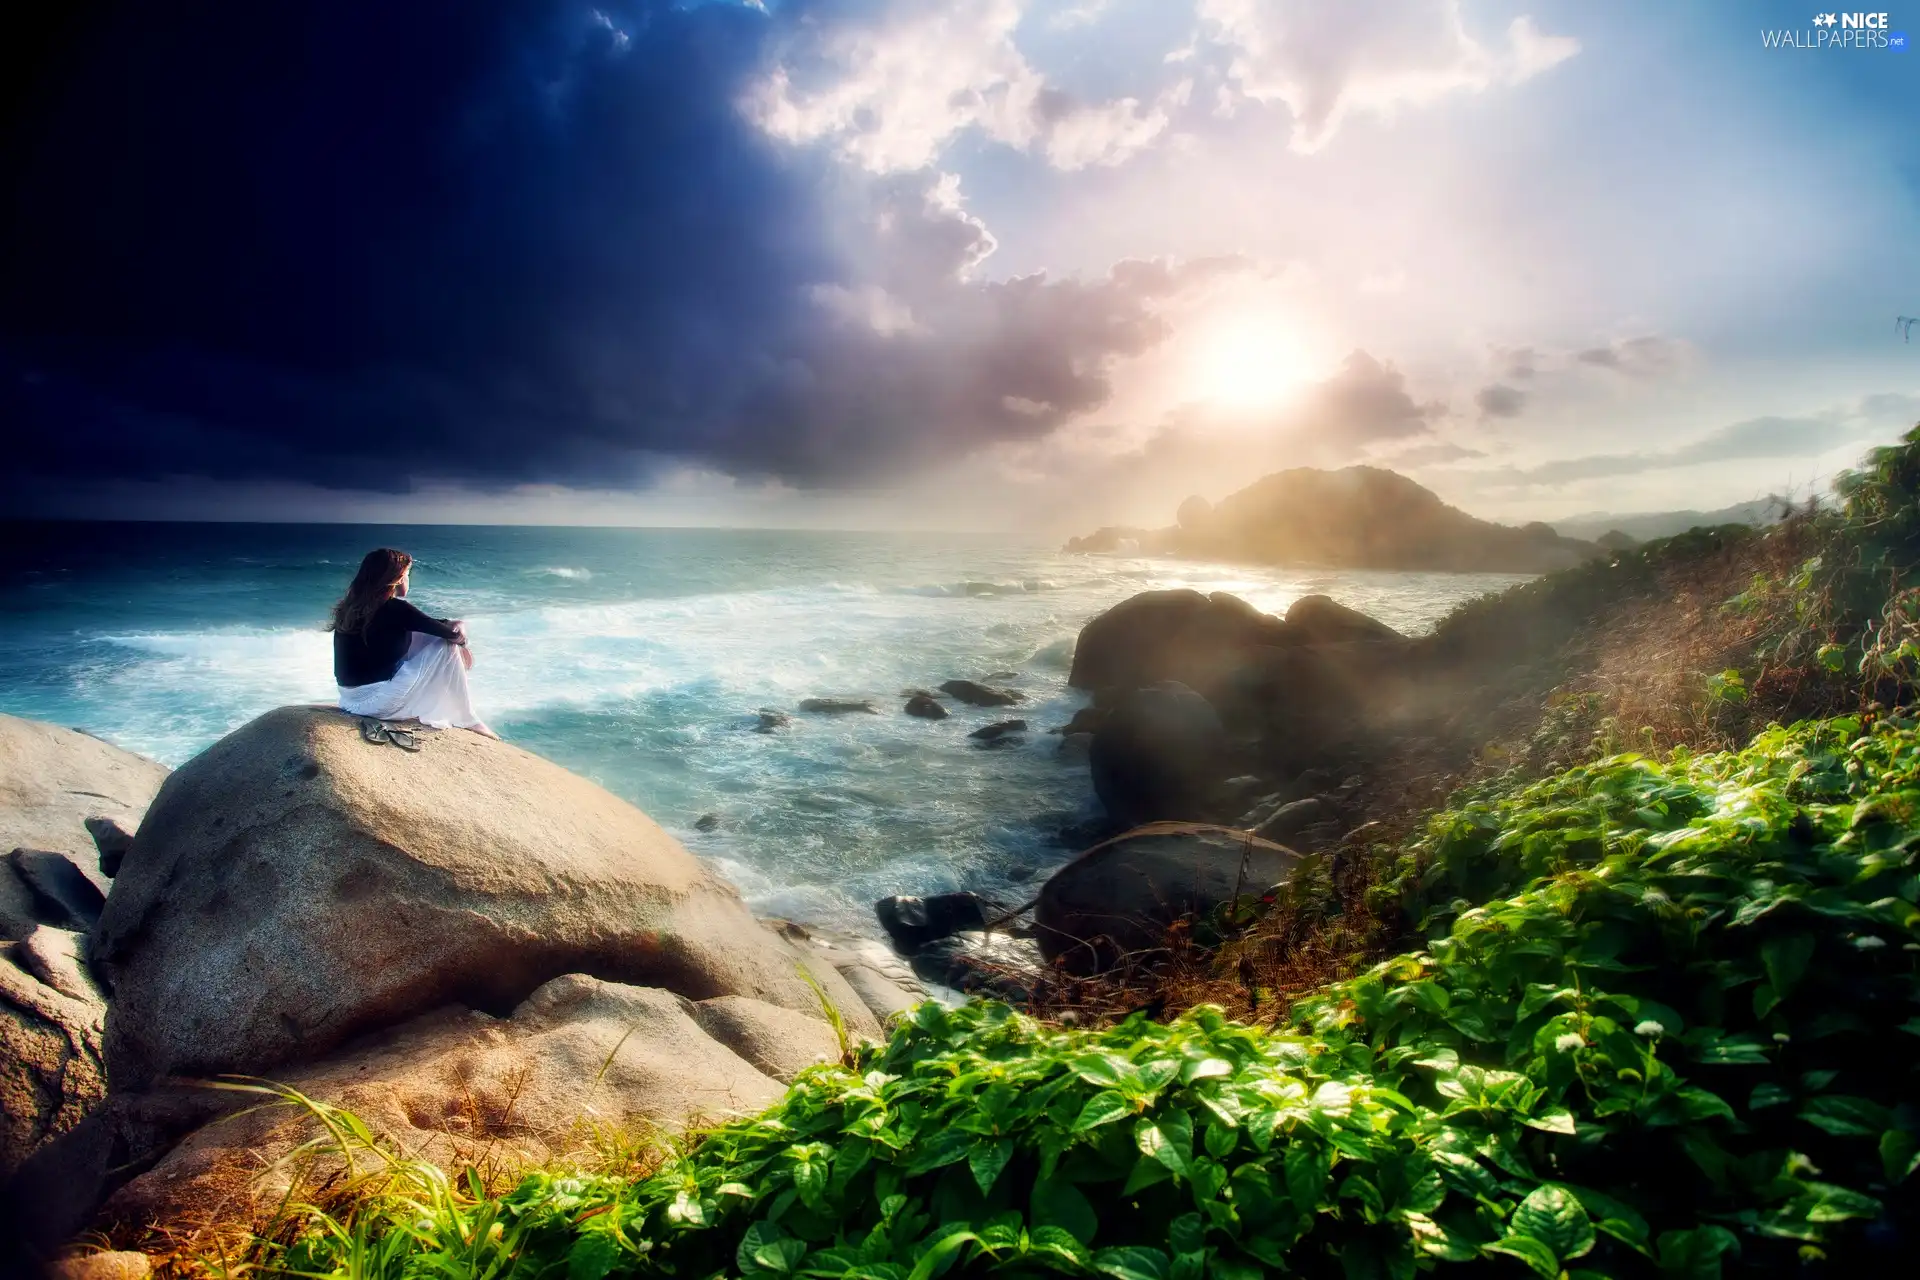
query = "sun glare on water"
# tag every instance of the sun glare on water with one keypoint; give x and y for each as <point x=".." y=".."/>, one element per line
<point x="1248" y="362"/>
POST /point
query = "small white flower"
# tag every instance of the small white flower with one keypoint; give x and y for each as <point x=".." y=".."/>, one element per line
<point x="1867" y="942"/>
<point x="1649" y="1028"/>
<point x="1569" y="1042"/>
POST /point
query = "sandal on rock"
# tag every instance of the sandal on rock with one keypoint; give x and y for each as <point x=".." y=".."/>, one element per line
<point x="402" y="738"/>
<point x="373" y="731"/>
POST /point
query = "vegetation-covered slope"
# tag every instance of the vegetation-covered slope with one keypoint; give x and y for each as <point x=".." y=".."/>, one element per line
<point x="1356" y="517"/>
<point x="1668" y="1023"/>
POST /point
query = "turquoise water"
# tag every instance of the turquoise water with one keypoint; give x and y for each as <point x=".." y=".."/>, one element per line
<point x="640" y="657"/>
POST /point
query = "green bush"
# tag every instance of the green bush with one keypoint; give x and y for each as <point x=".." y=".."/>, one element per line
<point x="1666" y="1025"/>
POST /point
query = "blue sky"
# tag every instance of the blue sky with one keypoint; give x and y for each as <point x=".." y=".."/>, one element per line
<point x="1042" y="263"/>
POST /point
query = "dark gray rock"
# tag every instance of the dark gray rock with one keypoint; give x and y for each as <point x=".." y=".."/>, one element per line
<point x="1159" y="756"/>
<point x="706" y="822"/>
<point x="1085" y="720"/>
<point x="1171" y="635"/>
<point x="1118" y="898"/>
<point x="838" y="706"/>
<point x="914" y="922"/>
<point x="999" y="731"/>
<point x="926" y="706"/>
<point x="979" y="695"/>
<point x="63" y="894"/>
<point x="1003" y="675"/>
<point x="772" y="720"/>
<point x="1323" y="620"/>
<point x="113" y="840"/>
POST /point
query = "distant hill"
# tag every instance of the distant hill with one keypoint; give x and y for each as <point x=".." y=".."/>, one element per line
<point x="1647" y="525"/>
<point x="1354" y="518"/>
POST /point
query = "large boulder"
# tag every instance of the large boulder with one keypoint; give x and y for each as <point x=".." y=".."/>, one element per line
<point x="1307" y="704"/>
<point x="1324" y="620"/>
<point x="50" y="1026"/>
<point x="293" y="887"/>
<point x="579" y="1061"/>
<point x="1195" y="639"/>
<point x="1159" y="754"/>
<point x="1117" y="899"/>
<point x="52" y="780"/>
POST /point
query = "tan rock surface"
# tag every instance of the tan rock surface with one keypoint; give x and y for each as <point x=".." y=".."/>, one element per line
<point x="295" y="886"/>
<point x="50" y="1068"/>
<point x="51" y="781"/>
<point x="580" y="1062"/>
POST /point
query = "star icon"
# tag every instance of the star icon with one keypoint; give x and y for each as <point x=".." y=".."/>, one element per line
<point x="1825" y="20"/>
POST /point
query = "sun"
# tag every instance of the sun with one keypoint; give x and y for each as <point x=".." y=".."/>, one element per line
<point x="1247" y="361"/>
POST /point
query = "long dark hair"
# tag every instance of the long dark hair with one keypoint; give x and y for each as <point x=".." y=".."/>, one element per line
<point x="380" y="572"/>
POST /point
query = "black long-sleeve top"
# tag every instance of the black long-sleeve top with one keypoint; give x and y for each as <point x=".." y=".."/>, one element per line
<point x="375" y="654"/>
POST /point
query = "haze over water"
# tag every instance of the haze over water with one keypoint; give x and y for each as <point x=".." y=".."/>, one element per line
<point x="640" y="658"/>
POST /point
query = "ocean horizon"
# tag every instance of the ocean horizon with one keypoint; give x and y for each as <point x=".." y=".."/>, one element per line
<point x="641" y="658"/>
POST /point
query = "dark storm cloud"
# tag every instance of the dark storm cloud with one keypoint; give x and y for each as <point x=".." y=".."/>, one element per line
<point x="353" y="244"/>
<point x="1500" y="401"/>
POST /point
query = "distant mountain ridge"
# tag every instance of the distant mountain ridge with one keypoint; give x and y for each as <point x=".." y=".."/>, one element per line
<point x="1646" y="525"/>
<point x="1353" y="518"/>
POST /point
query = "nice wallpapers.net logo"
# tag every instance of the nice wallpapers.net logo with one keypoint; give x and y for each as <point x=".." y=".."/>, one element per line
<point x="1838" y="31"/>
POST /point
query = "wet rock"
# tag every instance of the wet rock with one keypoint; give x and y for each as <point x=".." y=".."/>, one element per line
<point x="707" y="822"/>
<point x="999" y="731"/>
<point x="63" y="894"/>
<point x="1076" y="746"/>
<point x="838" y="706"/>
<point x="1085" y="720"/>
<point x="979" y="695"/>
<point x="772" y="720"/>
<point x="1019" y="873"/>
<point x="913" y="922"/>
<point x="999" y="969"/>
<point x="926" y="706"/>
<point x="1003" y="675"/>
<point x="1159" y="755"/>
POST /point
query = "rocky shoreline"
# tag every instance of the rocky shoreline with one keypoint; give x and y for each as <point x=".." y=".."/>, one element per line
<point x="487" y="957"/>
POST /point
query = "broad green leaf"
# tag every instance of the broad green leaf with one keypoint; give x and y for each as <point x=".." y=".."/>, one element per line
<point x="1767" y="1095"/>
<point x="1786" y="961"/>
<point x="1557" y="1121"/>
<point x="1056" y="1241"/>
<point x="1530" y="1251"/>
<point x="1133" y="1263"/>
<point x="1309" y="1167"/>
<point x="1899" y="1155"/>
<point x="1846" y="1116"/>
<point x="1552" y="1215"/>
<point x="593" y="1256"/>
<point x="758" y="1236"/>
<point x="1061" y="1204"/>
<point x="1696" y="1254"/>
<point x="1104" y="1069"/>
<point x="1102" y="1108"/>
<point x="987" y="1160"/>
<point x="940" y="1256"/>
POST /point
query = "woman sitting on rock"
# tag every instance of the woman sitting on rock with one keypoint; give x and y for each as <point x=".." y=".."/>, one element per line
<point x="393" y="662"/>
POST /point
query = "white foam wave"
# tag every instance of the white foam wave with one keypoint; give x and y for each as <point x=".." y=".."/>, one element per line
<point x="561" y="571"/>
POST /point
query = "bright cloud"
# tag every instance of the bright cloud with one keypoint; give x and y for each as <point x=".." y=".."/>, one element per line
<point x="1326" y="62"/>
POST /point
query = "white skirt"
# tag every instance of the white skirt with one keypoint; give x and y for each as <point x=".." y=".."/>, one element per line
<point x="430" y="686"/>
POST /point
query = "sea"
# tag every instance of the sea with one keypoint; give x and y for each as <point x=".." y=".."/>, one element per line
<point x="641" y="658"/>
